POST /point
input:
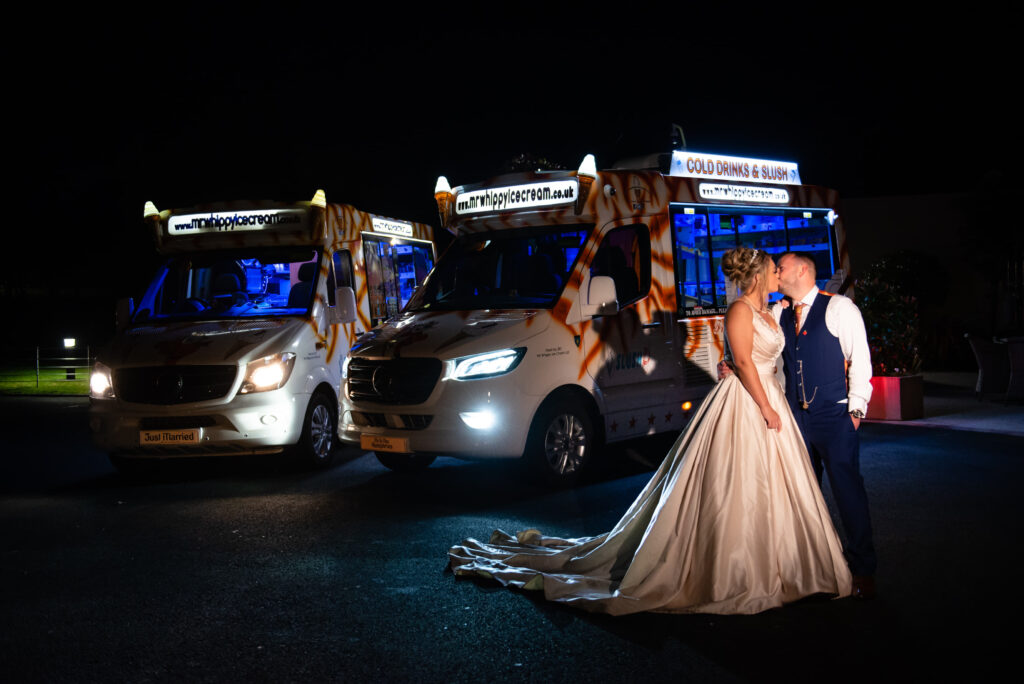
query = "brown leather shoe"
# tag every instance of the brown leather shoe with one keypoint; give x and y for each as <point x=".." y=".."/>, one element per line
<point x="863" y="587"/>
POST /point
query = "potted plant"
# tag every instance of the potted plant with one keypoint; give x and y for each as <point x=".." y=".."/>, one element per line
<point x="885" y="296"/>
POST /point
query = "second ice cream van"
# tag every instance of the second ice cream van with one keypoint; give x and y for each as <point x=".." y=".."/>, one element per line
<point x="575" y="308"/>
<point x="237" y="345"/>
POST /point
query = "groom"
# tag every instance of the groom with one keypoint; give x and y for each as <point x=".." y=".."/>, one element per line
<point x="827" y="368"/>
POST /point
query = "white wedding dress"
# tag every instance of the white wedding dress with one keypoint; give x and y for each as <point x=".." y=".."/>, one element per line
<point x="732" y="522"/>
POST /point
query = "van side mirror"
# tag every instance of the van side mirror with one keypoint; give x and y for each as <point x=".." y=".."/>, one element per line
<point x="344" y="310"/>
<point x="123" y="313"/>
<point x="601" y="299"/>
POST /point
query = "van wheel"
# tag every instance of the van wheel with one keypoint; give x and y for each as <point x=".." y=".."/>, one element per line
<point x="561" y="441"/>
<point x="405" y="463"/>
<point x="316" y="446"/>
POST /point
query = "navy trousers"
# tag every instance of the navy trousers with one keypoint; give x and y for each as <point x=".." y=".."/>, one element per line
<point x="834" y="447"/>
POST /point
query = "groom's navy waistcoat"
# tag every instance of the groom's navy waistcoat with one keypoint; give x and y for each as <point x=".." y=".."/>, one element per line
<point x="814" y="362"/>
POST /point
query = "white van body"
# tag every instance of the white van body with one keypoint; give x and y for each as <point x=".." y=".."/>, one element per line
<point x="237" y="345"/>
<point x="573" y="309"/>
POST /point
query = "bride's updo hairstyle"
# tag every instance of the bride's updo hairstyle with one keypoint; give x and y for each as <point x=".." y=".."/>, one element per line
<point x="742" y="264"/>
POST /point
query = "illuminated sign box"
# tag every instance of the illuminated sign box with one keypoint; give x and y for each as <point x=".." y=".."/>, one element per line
<point x="688" y="164"/>
<point x="392" y="227"/>
<point x="234" y="221"/>
<point x="528" y="196"/>
<point x="742" y="193"/>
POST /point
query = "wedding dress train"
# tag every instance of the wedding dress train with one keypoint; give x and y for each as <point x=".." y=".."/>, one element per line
<point x="733" y="521"/>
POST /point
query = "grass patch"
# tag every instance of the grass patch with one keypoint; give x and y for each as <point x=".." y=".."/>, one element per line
<point x="51" y="381"/>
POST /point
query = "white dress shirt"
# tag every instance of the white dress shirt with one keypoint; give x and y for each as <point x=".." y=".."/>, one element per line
<point x="843" y="319"/>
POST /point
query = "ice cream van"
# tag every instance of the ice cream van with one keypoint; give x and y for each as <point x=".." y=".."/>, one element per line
<point x="237" y="345"/>
<point x="575" y="308"/>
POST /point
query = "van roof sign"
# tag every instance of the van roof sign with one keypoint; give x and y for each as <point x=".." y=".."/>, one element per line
<point x="526" y="196"/>
<point x="234" y="221"/>
<point x="689" y="164"/>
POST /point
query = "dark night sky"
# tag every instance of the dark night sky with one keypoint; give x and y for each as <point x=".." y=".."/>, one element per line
<point x="180" y="105"/>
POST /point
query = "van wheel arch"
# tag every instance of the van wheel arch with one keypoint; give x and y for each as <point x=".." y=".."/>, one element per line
<point x="566" y="433"/>
<point x="309" y="447"/>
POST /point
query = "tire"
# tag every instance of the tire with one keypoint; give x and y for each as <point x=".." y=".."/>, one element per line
<point x="316" y="446"/>
<point x="405" y="463"/>
<point x="562" y="440"/>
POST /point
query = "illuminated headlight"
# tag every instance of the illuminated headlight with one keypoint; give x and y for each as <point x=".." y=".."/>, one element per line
<point x="488" y="365"/>
<point x="268" y="373"/>
<point x="100" y="384"/>
<point x="478" y="420"/>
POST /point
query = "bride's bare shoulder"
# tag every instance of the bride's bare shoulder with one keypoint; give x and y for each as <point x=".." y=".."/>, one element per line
<point x="739" y="311"/>
<point x="739" y="305"/>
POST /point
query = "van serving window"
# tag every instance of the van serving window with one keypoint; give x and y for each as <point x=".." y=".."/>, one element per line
<point x="701" y="234"/>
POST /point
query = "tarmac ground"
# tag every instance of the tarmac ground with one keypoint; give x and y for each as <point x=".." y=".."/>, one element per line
<point x="233" y="571"/>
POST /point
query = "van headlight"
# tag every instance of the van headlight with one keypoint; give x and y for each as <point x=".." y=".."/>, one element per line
<point x="268" y="373"/>
<point x="488" y="365"/>
<point x="101" y="384"/>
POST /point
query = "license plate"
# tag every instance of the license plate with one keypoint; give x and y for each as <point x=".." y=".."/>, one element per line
<point x="381" y="443"/>
<point x="186" y="437"/>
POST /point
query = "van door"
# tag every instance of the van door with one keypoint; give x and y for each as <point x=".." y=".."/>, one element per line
<point x="635" y="347"/>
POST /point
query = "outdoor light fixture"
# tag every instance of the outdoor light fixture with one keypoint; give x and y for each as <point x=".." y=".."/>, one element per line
<point x="319" y="199"/>
<point x="268" y="373"/>
<point x="488" y="365"/>
<point x="69" y="342"/>
<point x="686" y="405"/>
<point x="586" y="175"/>
<point x="445" y="200"/>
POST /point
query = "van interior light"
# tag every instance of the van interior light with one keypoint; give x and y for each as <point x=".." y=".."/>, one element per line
<point x="150" y="210"/>
<point x="319" y="199"/>
<point x="478" y="420"/>
<point x="831" y="217"/>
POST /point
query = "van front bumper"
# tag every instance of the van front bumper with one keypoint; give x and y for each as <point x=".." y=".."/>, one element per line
<point x="265" y="422"/>
<point x="442" y="425"/>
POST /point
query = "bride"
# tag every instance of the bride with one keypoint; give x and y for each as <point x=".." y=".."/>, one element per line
<point x="732" y="522"/>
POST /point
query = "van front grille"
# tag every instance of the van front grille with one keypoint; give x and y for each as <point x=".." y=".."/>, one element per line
<point x="173" y="384"/>
<point x="392" y="381"/>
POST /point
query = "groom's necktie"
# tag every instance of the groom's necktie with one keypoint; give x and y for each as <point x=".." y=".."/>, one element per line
<point x="798" y="310"/>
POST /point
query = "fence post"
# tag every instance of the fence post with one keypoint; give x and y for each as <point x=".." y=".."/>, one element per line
<point x="37" y="366"/>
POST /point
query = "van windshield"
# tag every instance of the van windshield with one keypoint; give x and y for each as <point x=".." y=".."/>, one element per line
<point x="508" y="269"/>
<point x="244" y="283"/>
